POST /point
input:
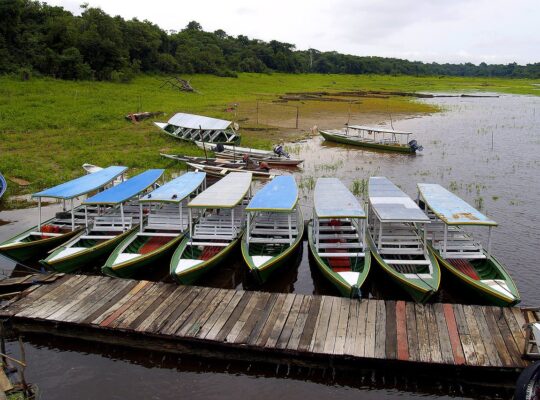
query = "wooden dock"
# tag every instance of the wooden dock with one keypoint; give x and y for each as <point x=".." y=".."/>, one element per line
<point x="258" y="325"/>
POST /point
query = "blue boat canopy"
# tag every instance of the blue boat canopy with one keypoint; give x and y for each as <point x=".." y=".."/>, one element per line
<point x="390" y="204"/>
<point x="279" y="195"/>
<point x="333" y="200"/>
<point x="449" y="208"/>
<point x="228" y="192"/>
<point x="176" y="190"/>
<point x="82" y="185"/>
<point x="128" y="189"/>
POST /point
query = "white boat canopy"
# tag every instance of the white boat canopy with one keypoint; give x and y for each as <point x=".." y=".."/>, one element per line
<point x="225" y="193"/>
<point x="377" y="129"/>
<point x="449" y="208"/>
<point x="176" y="190"/>
<point x="193" y="121"/>
<point x="279" y="195"/>
<point x="333" y="200"/>
<point x="390" y="204"/>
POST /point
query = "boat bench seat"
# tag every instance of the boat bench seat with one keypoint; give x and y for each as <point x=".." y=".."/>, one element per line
<point x="400" y="243"/>
<point x="327" y="228"/>
<point x="157" y="234"/>
<point x="340" y="245"/>
<point x="401" y="251"/>
<point x="339" y="236"/>
<point x="99" y="237"/>
<point x="328" y="255"/>
<point x="258" y="231"/>
<point x="465" y="255"/>
<point x="407" y="262"/>
<point x="271" y="240"/>
<point x="214" y="237"/>
<point x="51" y="234"/>
<point x="202" y="243"/>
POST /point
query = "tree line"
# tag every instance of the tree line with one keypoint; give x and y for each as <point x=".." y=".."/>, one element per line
<point x="48" y="40"/>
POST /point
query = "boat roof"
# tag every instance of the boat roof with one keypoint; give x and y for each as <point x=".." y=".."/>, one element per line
<point x="128" y="189"/>
<point x="390" y="204"/>
<point x="225" y="193"/>
<point x="377" y="129"/>
<point x="280" y="194"/>
<point x="193" y="121"/>
<point x="333" y="200"/>
<point x="176" y="190"/>
<point x="451" y="209"/>
<point x="83" y="185"/>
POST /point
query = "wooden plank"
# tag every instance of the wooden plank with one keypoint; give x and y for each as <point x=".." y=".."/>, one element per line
<point x="134" y="296"/>
<point x="270" y="322"/>
<point x="105" y="303"/>
<point x="119" y="305"/>
<point x="369" y="346"/>
<point x="330" y="339"/>
<point x="339" y="346"/>
<point x="412" y="334"/>
<point x="242" y="319"/>
<point x="311" y="321"/>
<point x="498" y="340"/>
<point x="464" y="336"/>
<point x="30" y="295"/>
<point x="476" y="337"/>
<point x="423" y="334"/>
<point x="235" y="315"/>
<point x="380" y="330"/>
<point x="105" y="291"/>
<point x="285" y="312"/>
<point x="485" y="333"/>
<point x="321" y="329"/>
<point x="447" y="356"/>
<point x="264" y="301"/>
<point x="352" y="323"/>
<point x="166" y="292"/>
<point x="515" y="328"/>
<point x="174" y="324"/>
<point x="402" y="344"/>
<point x="5" y="383"/>
<point x="391" y="331"/>
<point x="222" y="320"/>
<point x="519" y="316"/>
<point x="197" y="311"/>
<point x="433" y="331"/>
<point x="511" y="346"/>
<point x="126" y="319"/>
<point x="198" y="324"/>
<point x="300" y="323"/>
<point x="360" y="340"/>
<point x="453" y="333"/>
<point x="182" y="301"/>
<point x="212" y="319"/>
<point x="290" y="322"/>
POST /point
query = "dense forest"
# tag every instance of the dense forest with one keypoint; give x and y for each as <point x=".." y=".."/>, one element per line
<point x="36" y="38"/>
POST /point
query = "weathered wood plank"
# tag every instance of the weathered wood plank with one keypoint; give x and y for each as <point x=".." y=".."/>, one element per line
<point x="423" y="334"/>
<point x="412" y="334"/>
<point x="231" y="321"/>
<point x="339" y="346"/>
<point x="290" y="322"/>
<point x="165" y="293"/>
<point x="280" y="321"/>
<point x="360" y="339"/>
<point x="433" y="332"/>
<point x="464" y="336"/>
<point x="181" y="303"/>
<point x="330" y="338"/>
<point x="223" y="318"/>
<point x="174" y="325"/>
<point x="319" y="336"/>
<point x="242" y="319"/>
<point x="124" y="320"/>
<point x="401" y="332"/>
<point x="257" y="315"/>
<point x="515" y="328"/>
<point x="300" y="323"/>
<point x="261" y="322"/>
<point x="352" y="323"/>
<point x="506" y="334"/>
<point x="491" y="350"/>
<point x="201" y="321"/>
<point x="498" y="340"/>
<point x="455" y="341"/>
<point x="161" y="312"/>
<point x="369" y="346"/>
<point x="309" y="327"/>
<point x="447" y="355"/>
<point x="476" y="338"/>
<point x="111" y="317"/>
<point x="214" y="316"/>
<point x="270" y="322"/>
<point x="391" y="331"/>
<point x="380" y="330"/>
<point x="196" y="313"/>
<point x="33" y="293"/>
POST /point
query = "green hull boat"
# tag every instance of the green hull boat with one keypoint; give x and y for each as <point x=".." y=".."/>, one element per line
<point x="344" y="139"/>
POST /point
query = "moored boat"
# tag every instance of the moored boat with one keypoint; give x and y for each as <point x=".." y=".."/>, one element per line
<point x="220" y="224"/>
<point x="374" y="138"/>
<point x="46" y="235"/>
<point x="217" y="171"/>
<point x="275" y="227"/>
<point x="337" y="237"/>
<point x="158" y="236"/>
<point x="192" y="127"/>
<point x="101" y="235"/>
<point x="398" y="241"/>
<point x="216" y="162"/>
<point x="459" y="252"/>
<point x="3" y="185"/>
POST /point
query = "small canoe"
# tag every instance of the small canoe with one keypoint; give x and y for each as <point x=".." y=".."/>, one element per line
<point x="37" y="240"/>
<point x="217" y="171"/>
<point x="373" y="138"/>
<point x="275" y="227"/>
<point x="397" y="241"/>
<point x="336" y="237"/>
<point x="3" y="185"/>
<point x="100" y="237"/>
<point x="166" y="222"/>
<point x="458" y="251"/>
<point x="190" y="127"/>
<point x="220" y="224"/>
<point x="216" y="162"/>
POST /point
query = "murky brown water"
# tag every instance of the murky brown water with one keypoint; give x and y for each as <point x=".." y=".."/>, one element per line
<point x="502" y="179"/>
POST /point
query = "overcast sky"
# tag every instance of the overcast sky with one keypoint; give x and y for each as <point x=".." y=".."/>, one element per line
<point x="494" y="31"/>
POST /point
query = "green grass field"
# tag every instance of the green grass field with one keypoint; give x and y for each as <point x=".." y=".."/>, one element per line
<point x="49" y="128"/>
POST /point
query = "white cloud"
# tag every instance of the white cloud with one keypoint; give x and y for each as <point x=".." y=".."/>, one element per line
<point x="494" y="31"/>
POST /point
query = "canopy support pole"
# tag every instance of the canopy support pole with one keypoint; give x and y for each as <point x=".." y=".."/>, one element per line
<point x="317" y="233"/>
<point x="122" y="215"/>
<point x="181" y="216"/>
<point x="232" y="219"/>
<point x="190" y="226"/>
<point x="86" y="216"/>
<point x="290" y="229"/>
<point x="39" y="207"/>
<point x="64" y="205"/>
<point x="489" y="242"/>
<point x="445" y="239"/>
<point x="247" y="229"/>
<point x="72" y="216"/>
<point x="424" y="233"/>
<point x="140" y="217"/>
<point x="379" y="245"/>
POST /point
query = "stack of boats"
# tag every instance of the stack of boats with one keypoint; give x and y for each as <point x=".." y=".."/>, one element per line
<point x="193" y="228"/>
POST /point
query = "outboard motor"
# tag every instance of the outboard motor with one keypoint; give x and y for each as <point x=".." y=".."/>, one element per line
<point x="413" y="144"/>
<point x="280" y="152"/>
<point x="219" y="148"/>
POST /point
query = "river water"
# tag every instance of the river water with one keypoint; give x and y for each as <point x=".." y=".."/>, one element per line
<point x="486" y="150"/>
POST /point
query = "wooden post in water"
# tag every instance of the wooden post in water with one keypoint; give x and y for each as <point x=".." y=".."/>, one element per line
<point x="296" y="117"/>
